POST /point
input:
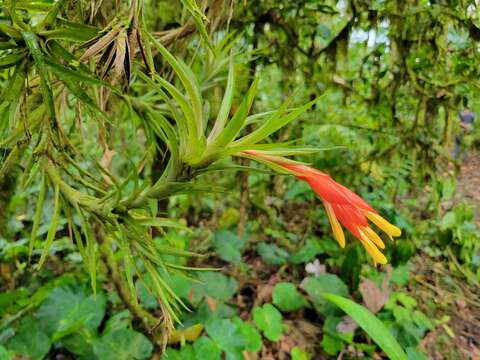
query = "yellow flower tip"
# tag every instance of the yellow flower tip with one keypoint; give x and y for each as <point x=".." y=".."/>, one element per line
<point x="376" y="254"/>
<point x="340" y="241"/>
<point x="389" y="229"/>
<point x="373" y="237"/>
<point x="336" y="227"/>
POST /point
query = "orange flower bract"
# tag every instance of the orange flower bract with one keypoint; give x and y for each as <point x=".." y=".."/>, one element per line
<point x="343" y="206"/>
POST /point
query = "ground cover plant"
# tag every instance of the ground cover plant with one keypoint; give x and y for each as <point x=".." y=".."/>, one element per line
<point x="239" y="180"/>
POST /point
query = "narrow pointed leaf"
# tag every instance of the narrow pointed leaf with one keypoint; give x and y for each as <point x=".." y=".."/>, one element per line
<point x="38" y="215"/>
<point x="189" y="82"/>
<point x="199" y="19"/>
<point x="371" y="324"/>
<point x="226" y="103"/>
<point x="277" y="121"/>
<point x="237" y="122"/>
<point x="52" y="230"/>
<point x="47" y="94"/>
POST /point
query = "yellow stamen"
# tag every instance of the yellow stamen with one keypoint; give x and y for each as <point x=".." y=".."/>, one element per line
<point x="373" y="236"/>
<point x="383" y="224"/>
<point x="377" y="256"/>
<point x="336" y="227"/>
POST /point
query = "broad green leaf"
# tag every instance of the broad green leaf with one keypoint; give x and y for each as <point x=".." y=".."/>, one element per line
<point x="370" y="324"/>
<point x="308" y="252"/>
<point x="315" y="286"/>
<point x="269" y="320"/>
<point x="44" y="291"/>
<point x="9" y="298"/>
<point x="206" y="349"/>
<point x="413" y="354"/>
<point x="448" y="221"/>
<point x="252" y="337"/>
<point x="215" y="285"/>
<point x="331" y="344"/>
<point x="128" y="344"/>
<point x="80" y="343"/>
<point x="272" y="254"/>
<point x="147" y="300"/>
<point x="334" y="326"/>
<point x="286" y="297"/>
<point x="120" y="320"/>
<point x="401" y="274"/>
<point x="423" y="320"/>
<point x="184" y="353"/>
<point x="226" y="335"/>
<point x="123" y="344"/>
<point x="30" y="341"/>
<point x="67" y="309"/>
<point x="228" y="245"/>
<point x="298" y="354"/>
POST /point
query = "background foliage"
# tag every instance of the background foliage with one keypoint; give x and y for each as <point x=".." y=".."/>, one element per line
<point x="118" y="120"/>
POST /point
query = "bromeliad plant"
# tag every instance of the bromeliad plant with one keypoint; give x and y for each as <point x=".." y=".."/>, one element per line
<point x="64" y="78"/>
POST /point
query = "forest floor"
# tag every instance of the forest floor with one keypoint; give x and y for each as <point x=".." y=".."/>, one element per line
<point x="469" y="182"/>
<point x="448" y="285"/>
<point x="444" y="290"/>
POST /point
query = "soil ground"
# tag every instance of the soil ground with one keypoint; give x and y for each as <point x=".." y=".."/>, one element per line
<point x="446" y="285"/>
<point x="468" y="184"/>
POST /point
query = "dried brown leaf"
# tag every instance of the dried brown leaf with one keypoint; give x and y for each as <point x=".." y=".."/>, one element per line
<point x="119" y="64"/>
<point x="373" y="297"/>
<point x="101" y="44"/>
<point x="346" y="325"/>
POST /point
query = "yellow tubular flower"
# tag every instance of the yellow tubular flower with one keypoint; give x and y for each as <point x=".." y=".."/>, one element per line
<point x="389" y="229"/>
<point x="376" y="254"/>
<point x="336" y="228"/>
<point x="344" y="208"/>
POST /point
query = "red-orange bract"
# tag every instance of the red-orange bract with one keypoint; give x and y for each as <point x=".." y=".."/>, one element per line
<point x="343" y="206"/>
